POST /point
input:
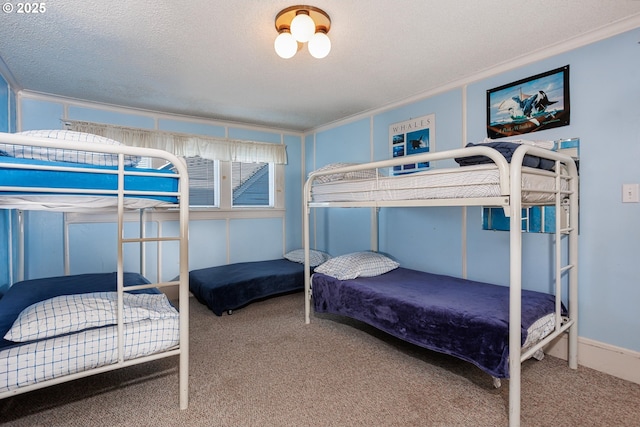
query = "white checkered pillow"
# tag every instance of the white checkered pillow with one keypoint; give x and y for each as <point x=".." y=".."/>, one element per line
<point x="73" y="313"/>
<point x="315" y="257"/>
<point x="350" y="266"/>
<point x="64" y="155"/>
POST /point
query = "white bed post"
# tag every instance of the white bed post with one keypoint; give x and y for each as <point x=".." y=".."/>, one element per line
<point x="142" y="246"/>
<point x="515" y="291"/>
<point x="375" y="229"/>
<point x="21" y="272"/>
<point x="573" y="261"/>
<point x="11" y="271"/>
<point x="307" y="270"/>
<point x="120" y="261"/>
<point x="184" y="290"/>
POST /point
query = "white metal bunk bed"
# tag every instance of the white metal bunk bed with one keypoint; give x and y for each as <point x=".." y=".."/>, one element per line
<point x="504" y="190"/>
<point x="127" y="188"/>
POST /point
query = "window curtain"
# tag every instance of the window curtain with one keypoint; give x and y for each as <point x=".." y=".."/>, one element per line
<point x="187" y="145"/>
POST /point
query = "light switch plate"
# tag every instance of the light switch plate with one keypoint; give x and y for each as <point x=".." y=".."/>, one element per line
<point x="630" y="193"/>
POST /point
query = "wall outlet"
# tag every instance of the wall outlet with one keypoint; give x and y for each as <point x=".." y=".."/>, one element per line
<point x="630" y="193"/>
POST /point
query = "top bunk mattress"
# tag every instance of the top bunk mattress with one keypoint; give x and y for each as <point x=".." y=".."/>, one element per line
<point x="476" y="181"/>
<point x="40" y="184"/>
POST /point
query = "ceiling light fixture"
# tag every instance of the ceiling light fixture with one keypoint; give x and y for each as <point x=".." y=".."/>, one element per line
<point x="302" y="24"/>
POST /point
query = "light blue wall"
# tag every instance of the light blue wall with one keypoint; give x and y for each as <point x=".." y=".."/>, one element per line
<point x="402" y="230"/>
<point x="349" y="143"/>
<point x="41" y="115"/>
<point x="4" y="105"/>
<point x="212" y="241"/>
<point x="293" y="191"/>
<point x="604" y="86"/>
<point x="194" y="128"/>
<point x="101" y="115"/>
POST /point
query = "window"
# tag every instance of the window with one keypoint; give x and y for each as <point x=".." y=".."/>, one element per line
<point x="535" y="219"/>
<point x="252" y="184"/>
<point x="202" y="182"/>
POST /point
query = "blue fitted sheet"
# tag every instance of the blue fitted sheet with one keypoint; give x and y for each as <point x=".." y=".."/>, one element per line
<point x="462" y="318"/>
<point x="229" y="287"/>
<point x="84" y="178"/>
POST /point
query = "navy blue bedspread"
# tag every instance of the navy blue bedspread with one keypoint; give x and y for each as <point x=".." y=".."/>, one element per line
<point x="23" y="294"/>
<point x="462" y="318"/>
<point x="229" y="287"/>
<point x="506" y="149"/>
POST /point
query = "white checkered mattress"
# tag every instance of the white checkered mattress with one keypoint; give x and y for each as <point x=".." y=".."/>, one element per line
<point x="55" y="357"/>
<point x="465" y="182"/>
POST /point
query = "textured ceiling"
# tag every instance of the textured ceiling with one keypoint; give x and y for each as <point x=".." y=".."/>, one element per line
<point x="215" y="58"/>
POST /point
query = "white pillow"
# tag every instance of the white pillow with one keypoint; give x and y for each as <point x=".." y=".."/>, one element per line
<point x="73" y="313"/>
<point x="350" y="266"/>
<point x="64" y="155"/>
<point x="315" y="257"/>
<point x="362" y="174"/>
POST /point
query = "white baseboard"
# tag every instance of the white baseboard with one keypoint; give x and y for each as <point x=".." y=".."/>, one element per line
<point x="612" y="360"/>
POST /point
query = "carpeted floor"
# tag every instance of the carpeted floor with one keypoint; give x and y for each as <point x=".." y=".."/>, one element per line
<point x="262" y="366"/>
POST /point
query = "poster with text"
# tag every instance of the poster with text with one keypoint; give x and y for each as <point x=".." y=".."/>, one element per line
<point x="411" y="137"/>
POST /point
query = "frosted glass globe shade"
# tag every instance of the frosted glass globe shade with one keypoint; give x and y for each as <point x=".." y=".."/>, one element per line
<point x="303" y="27"/>
<point x="286" y="46"/>
<point x="319" y="45"/>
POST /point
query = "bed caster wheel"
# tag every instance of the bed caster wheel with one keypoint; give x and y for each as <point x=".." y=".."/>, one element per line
<point x="229" y="312"/>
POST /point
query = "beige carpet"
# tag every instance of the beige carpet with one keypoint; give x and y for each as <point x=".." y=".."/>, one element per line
<point x="262" y="366"/>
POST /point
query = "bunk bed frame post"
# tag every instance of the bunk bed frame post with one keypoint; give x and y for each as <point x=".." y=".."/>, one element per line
<point x="183" y="304"/>
<point x="515" y="292"/>
<point x="306" y="244"/>
<point x="120" y="262"/>
<point x="574" y="196"/>
<point x="21" y="259"/>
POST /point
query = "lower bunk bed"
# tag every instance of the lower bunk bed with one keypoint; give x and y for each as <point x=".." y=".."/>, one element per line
<point x="225" y="288"/>
<point x="458" y="317"/>
<point x="61" y="326"/>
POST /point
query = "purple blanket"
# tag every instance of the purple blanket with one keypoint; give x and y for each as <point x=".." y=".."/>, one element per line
<point x="462" y="318"/>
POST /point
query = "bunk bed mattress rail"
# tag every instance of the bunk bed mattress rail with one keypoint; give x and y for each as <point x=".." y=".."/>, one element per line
<point x="466" y="182"/>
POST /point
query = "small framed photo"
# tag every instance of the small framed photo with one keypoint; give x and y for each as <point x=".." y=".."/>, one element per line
<point x="536" y="103"/>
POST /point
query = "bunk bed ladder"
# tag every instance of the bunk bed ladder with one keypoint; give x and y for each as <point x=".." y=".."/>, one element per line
<point x="566" y="206"/>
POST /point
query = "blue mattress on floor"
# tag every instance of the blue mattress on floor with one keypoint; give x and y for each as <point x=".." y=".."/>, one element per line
<point x="229" y="287"/>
